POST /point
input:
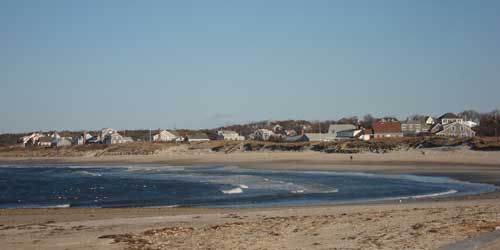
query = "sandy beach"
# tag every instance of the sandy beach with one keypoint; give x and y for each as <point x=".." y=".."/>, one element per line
<point x="417" y="224"/>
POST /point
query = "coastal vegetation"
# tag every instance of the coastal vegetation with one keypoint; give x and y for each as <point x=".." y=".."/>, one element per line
<point x="382" y="145"/>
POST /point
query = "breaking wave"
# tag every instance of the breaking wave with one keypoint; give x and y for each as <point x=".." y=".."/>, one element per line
<point x="233" y="191"/>
<point x="87" y="173"/>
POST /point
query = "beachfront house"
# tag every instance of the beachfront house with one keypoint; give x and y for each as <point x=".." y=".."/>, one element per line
<point x="411" y="127"/>
<point x="343" y="131"/>
<point x="262" y="134"/>
<point x="110" y="136"/>
<point x="30" y="140"/>
<point x="166" y="136"/>
<point x="228" y="135"/>
<point x="336" y="132"/>
<point x="199" y="137"/>
<point x="107" y="131"/>
<point x="385" y="129"/>
<point x="455" y="129"/>
<point x="452" y="125"/>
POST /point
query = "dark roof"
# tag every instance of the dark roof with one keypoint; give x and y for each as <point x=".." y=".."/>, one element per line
<point x="386" y="127"/>
<point x="449" y="116"/>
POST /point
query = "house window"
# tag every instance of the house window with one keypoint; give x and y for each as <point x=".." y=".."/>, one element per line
<point x="453" y="129"/>
<point x="462" y="129"/>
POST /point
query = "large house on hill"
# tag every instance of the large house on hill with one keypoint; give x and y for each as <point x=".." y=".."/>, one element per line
<point x="383" y="129"/>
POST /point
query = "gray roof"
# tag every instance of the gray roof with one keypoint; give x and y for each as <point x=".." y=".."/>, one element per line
<point x="449" y="116"/>
<point x="340" y="127"/>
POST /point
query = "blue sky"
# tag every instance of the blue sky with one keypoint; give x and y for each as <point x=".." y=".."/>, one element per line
<point x="197" y="64"/>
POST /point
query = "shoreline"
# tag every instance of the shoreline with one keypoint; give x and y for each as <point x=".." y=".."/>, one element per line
<point x="426" y="223"/>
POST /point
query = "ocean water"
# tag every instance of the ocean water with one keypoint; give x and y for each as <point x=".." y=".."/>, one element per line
<point x="145" y="186"/>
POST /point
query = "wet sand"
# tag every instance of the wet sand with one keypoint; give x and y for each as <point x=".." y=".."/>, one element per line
<point x="421" y="224"/>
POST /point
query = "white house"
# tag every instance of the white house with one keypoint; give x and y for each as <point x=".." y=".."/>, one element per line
<point x="228" y="135"/>
<point x="107" y="131"/>
<point x="166" y="136"/>
<point x="30" y="139"/>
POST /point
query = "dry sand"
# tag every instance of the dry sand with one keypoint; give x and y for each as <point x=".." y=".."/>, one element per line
<point x="425" y="224"/>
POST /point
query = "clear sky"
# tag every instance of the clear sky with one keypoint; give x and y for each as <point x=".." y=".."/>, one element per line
<point x="197" y="64"/>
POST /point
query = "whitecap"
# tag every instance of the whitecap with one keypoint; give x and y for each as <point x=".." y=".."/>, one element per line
<point x="243" y="186"/>
<point x="62" y="206"/>
<point x="88" y="173"/>
<point x="330" y="191"/>
<point x="233" y="191"/>
<point x="451" y="191"/>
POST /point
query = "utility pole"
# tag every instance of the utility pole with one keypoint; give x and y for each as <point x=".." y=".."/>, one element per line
<point x="149" y="135"/>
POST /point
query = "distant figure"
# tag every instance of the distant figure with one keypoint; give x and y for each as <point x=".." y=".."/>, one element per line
<point x="423" y="153"/>
<point x="351" y="157"/>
